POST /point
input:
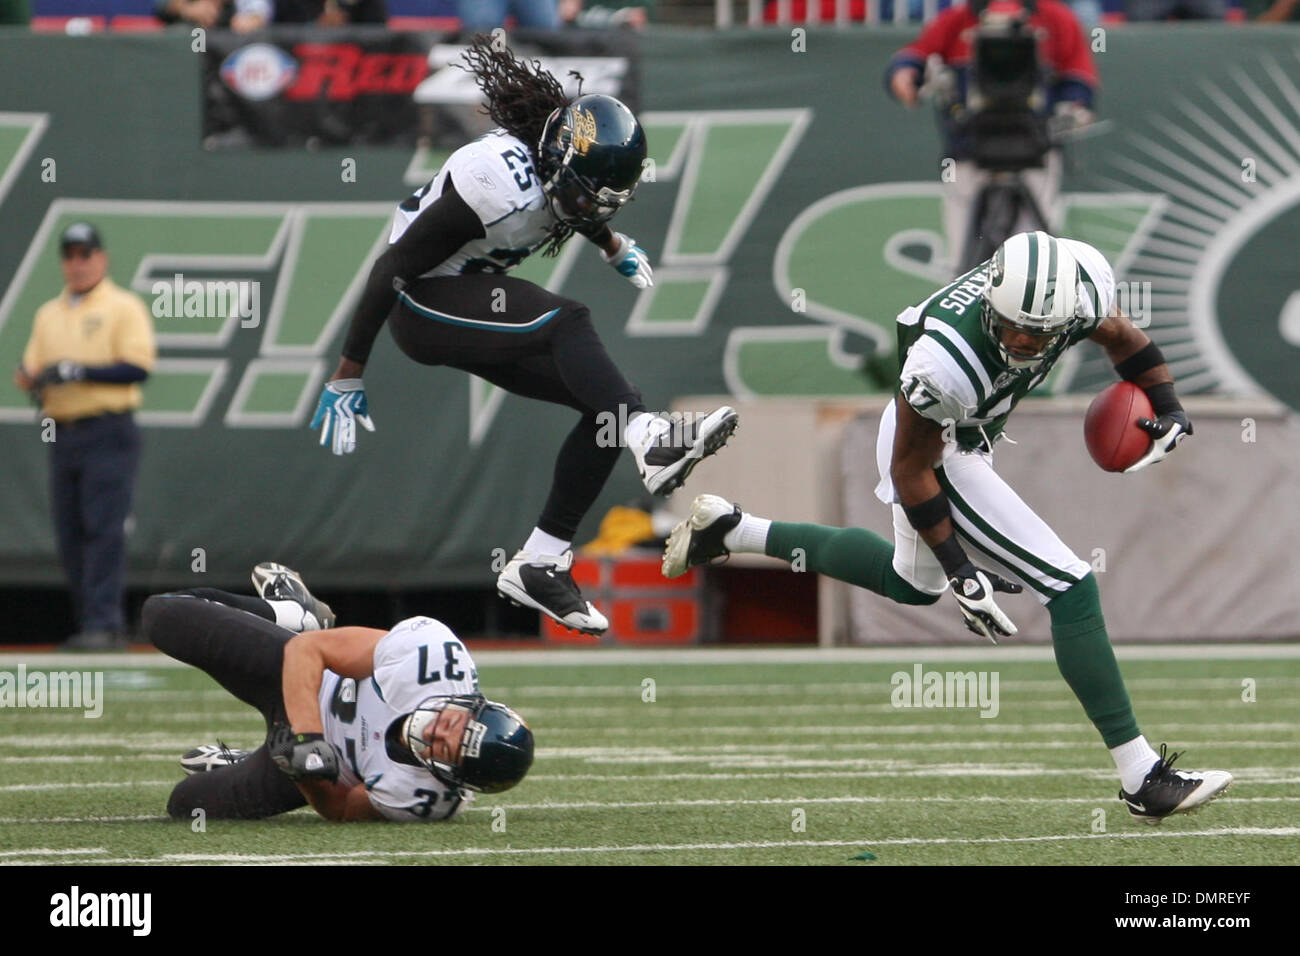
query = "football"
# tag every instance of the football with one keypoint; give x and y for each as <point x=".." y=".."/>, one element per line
<point x="1110" y="428"/>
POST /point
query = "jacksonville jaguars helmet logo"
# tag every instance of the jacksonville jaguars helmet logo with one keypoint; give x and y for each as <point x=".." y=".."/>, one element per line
<point x="584" y="130"/>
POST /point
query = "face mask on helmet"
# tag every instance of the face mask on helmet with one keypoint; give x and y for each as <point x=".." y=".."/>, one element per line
<point x="577" y="202"/>
<point x="1024" y="344"/>
<point x="495" y="747"/>
<point x="590" y="157"/>
<point x="1030" y="300"/>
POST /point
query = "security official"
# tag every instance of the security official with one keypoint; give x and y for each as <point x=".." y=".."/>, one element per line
<point x="89" y="351"/>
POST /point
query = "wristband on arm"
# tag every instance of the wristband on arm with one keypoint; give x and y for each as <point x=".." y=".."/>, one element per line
<point x="928" y="513"/>
<point x="1163" y="399"/>
<point x="952" y="556"/>
<point x="1143" y="360"/>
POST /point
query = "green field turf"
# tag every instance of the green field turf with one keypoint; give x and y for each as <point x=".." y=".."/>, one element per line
<point x="714" y="771"/>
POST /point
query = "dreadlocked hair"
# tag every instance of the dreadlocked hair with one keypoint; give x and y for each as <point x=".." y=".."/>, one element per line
<point x="521" y="96"/>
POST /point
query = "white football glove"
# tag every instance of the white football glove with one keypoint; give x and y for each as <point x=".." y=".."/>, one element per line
<point x="1167" y="433"/>
<point x="631" y="262"/>
<point x="973" y="590"/>
<point x="342" y="404"/>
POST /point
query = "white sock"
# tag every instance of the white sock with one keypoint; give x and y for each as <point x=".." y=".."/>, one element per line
<point x="635" y="432"/>
<point x="293" y="616"/>
<point x="539" y="542"/>
<point x="748" y="537"/>
<point x="1134" y="761"/>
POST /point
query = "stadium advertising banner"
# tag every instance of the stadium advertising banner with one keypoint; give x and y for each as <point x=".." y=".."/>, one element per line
<point x="791" y="211"/>
<point x="312" y="88"/>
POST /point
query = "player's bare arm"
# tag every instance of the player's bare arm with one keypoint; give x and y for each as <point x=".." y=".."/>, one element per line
<point x="1138" y="360"/>
<point x="918" y="446"/>
<point x="347" y="651"/>
<point x="1121" y="340"/>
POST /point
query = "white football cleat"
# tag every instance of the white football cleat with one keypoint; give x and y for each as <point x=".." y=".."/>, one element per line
<point x="673" y="446"/>
<point x="1166" y="791"/>
<point x="698" y="539"/>
<point x="545" y="583"/>
<point x="209" y="757"/>
<point x="275" y="582"/>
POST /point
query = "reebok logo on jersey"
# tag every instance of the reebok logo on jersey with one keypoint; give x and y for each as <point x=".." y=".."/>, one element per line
<point x="484" y="180"/>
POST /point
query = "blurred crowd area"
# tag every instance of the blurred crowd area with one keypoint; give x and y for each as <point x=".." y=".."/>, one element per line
<point x="246" y="16"/>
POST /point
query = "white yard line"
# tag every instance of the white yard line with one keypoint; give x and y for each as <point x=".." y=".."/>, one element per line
<point x="86" y="784"/>
<point x="42" y="851"/>
<point x="977" y="726"/>
<point x="864" y="842"/>
<point x="800" y="801"/>
<point x="1250" y="775"/>
<point x="138" y="818"/>
<point x="675" y="804"/>
<point x="619" y="657"/>
<point x="705" y="753"/>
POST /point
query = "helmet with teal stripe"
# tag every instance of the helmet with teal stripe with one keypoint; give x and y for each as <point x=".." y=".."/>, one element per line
<point x="1031" y="304"/>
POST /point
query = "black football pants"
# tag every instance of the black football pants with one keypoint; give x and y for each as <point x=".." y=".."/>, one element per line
<point x="230" y="638"/>
<point x="533" y="343"/>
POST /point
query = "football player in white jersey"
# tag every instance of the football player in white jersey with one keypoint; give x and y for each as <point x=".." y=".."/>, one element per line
<point x="968" y="354"/>
<point x="551" y="168"/>
<point x="363" y="724"/>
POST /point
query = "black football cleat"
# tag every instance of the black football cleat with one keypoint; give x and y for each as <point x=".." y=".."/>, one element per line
<point x="275" y="582"/>
<point x="209" y="757"/>
<point x="675" y="445"/>
<point x="698" y="539"/>
<point x="545" y="583"/>
<point x="1166" y="791"/>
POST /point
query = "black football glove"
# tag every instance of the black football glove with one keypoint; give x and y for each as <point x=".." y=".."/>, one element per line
<point x="302" y="756"/>
<point x="973" y="590"/>
<point x="59" y="373"/>
<point x="1167" y="433"/>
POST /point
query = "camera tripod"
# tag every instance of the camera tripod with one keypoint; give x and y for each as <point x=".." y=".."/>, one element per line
<point x="997" y="209"/>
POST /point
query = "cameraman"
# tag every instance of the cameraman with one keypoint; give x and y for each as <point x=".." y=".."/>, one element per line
<point x="1067" y="80"/>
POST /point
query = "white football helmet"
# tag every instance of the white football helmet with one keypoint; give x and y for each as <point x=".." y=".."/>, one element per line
<point x="1033" y="290"/>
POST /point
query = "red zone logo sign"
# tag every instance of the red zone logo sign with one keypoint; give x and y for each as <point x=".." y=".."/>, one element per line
<point x="321" y="71"/>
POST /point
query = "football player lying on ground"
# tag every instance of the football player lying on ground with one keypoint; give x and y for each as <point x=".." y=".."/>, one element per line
<point x="968" y="354"/>
<point x="363" y="724"/>
<point x="553" y="167"/>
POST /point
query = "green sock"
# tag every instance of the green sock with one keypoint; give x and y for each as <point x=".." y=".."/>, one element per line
<point x="1087" y="661"/>
<point x="855" y="555"/>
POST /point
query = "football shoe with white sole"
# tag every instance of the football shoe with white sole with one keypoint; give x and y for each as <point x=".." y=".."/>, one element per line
<point x="673" y="446"/>
<point x="698" y="539"/>
<point x="275" y="582"/>
<point x="208" y="757"/>
<point x="1166" y="791"/>
<point x="545" y="583"/>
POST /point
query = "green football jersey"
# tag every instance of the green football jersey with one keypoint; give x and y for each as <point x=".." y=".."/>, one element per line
<point x="951" y="372"/>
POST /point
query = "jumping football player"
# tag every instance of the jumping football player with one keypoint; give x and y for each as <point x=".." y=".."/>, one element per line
<point x="552" y="168"/>
<point x="363" y="724"/>
<point x="968" y="354"/>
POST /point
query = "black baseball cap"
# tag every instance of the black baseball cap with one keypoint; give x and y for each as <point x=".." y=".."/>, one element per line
<point x="81" y="234"/>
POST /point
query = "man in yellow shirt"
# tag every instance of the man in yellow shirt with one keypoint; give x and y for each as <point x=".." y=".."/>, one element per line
<point x="90" y="349"/>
